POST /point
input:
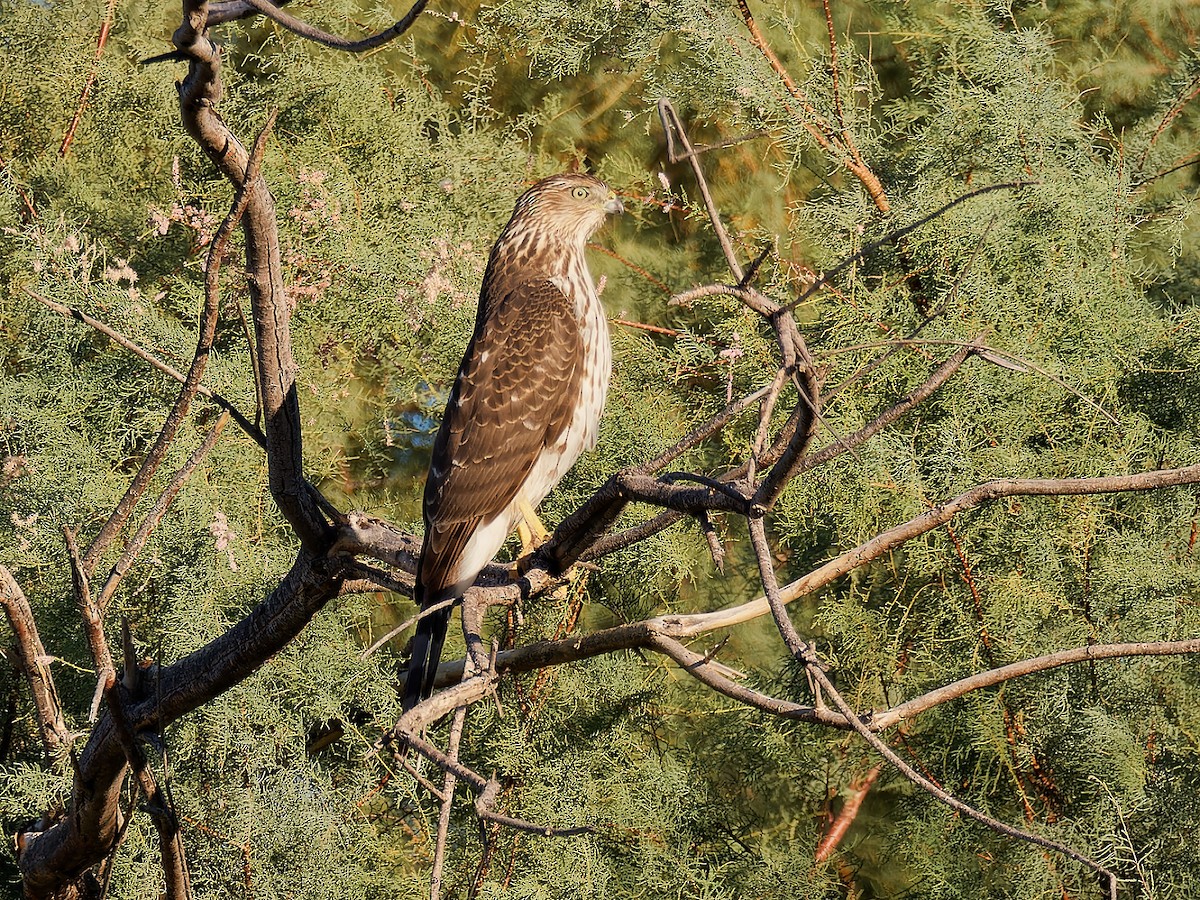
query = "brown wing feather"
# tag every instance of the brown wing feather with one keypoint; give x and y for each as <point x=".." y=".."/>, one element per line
<point x="515" y="394"/>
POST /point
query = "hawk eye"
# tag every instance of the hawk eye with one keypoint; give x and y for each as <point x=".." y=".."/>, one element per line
<point x="579" y="193"/>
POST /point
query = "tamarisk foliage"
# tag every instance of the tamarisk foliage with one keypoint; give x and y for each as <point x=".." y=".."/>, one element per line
<point x="881" y="582"/>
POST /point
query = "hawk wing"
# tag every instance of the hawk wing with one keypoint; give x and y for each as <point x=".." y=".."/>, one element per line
<point x="515" y="395"/>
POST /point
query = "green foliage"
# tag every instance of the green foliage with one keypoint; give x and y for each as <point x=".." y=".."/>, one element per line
<point x="392" y="174"/>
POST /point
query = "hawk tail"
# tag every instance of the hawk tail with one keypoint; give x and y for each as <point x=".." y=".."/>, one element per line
<point x="426" y="653"/>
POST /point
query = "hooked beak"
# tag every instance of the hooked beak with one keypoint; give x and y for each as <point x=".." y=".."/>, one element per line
<point x="614" y="205"/>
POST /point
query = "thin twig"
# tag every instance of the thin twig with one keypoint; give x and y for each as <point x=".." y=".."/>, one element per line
<point x="950" y="299"/>
<point x="1003" y="358"/>
<point x="155" y="516"/>
<point x="703" y="432"/>
<point x="480" y="784"/>
<point x="406" y="624"/>
<point x="836" y="83"/>
<point x="673" y="126"/>
<point x="158" y="804"/>
<point x="1189" y="93"/>
<point x="166" y="368"/>
<point x="110" y="10"/>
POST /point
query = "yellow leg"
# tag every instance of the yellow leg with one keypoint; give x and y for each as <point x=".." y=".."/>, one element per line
<point x="533" y="534"/>
<point x="530" y="528"/>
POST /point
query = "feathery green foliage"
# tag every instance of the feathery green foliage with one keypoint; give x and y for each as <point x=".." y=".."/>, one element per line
<point x="392" y="173"/>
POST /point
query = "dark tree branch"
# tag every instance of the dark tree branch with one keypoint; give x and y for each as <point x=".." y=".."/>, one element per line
<point x="57" y="856"/>
<point x="52" y="860"/>
<point x="35" y="665"/>
<point x="162" y="813"/>
<point x="291" y="23"/>
<point x="199" y="93"/>
<point x="573" y="533"/>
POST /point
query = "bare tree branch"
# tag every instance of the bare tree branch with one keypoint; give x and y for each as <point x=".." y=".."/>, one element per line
<point x="198" y="94"/>
<point x="695" y="623"/>
<point x="992" y="677"/>
<point x="574" y="536"/>
<point x="35" y="665"/>
<point x="291" y="23"/>
<point x="222" y="11"/>
<point x="450" y="780"/>
<point x="804" y="654"/>
<point x="162" y="813"/>
<point x="488" y="789"/>
<point x="52" y="860"/>
<point x="60" y="854"/>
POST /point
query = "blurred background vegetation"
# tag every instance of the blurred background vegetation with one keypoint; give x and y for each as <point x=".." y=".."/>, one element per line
<point x="393" y="172"/>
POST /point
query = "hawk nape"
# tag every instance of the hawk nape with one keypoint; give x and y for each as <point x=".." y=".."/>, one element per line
<point x="525" y="404"/>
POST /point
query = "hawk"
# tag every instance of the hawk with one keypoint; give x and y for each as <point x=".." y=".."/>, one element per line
<point x="526" y="402"/>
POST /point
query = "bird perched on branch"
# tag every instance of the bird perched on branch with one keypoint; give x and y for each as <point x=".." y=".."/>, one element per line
<point x="526" y="402"/>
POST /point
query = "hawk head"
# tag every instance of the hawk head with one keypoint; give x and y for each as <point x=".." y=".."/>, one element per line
<point x="569" y="207"/>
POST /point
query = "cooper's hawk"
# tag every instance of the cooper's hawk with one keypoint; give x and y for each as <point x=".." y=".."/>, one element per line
<point x="525" y="404"/>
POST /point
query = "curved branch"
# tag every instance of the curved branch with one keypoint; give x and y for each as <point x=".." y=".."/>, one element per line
<point x="963" y="686"/>
<point x="60" y="854"/>
<point x="291" y="23"/>
<point x="199" y="93"/>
